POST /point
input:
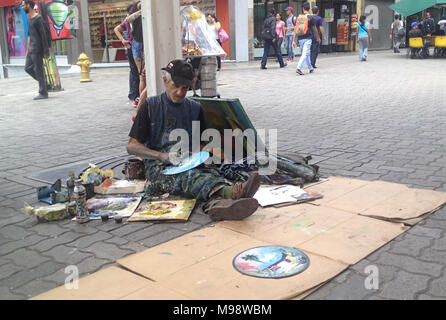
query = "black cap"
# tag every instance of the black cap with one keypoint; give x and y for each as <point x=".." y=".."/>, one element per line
<point x="182" y="72"/>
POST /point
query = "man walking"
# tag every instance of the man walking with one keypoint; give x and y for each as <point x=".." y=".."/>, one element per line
<point x="37" y="47"/>
<point x="270" y="37"/>
<point x="304" y="30"/>
<point x="428" y="27"/>
<point x="395" y="28"/>
<point x="314" y="43"/>
<point x="290" y="23"/>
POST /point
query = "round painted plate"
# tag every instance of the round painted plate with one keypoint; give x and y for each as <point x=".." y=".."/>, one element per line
<point x="271" y="262"/>
<point x="192" y="162"/>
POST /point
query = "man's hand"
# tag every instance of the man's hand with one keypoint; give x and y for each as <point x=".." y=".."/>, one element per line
<point x="294" y="44"/>
<point x="319" y="40"/>
<point x="274" y="40"/>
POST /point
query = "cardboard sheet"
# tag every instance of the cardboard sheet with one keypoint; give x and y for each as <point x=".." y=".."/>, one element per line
<point x="367" y="196"/>
<point x="263" y="220"/>
<point x="215" y="278"/>
<point x="155" y="291"/>
<point x="160" y="262"/>
<point x="335" y="187"/>
<point x="312" y="221"/>
<point x="408" y="204"/>
<point x="108" y="284"/>
<point x="354" y="239"/>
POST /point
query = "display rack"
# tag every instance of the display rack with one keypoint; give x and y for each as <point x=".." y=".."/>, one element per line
<point x="113" y="17"/>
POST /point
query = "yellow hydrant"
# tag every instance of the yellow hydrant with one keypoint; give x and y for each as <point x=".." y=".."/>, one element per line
<point x="84" y="63"/>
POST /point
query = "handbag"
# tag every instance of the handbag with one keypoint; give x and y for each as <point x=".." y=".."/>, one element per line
<point x="401" y="33"/>
<point x="223" y="35"/>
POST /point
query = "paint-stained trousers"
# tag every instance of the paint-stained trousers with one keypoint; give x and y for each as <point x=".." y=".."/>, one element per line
<point x="34" y="67"/>
<point x="196" y="183"/>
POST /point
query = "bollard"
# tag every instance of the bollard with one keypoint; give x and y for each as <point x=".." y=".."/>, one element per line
<point x="84" y="63"/>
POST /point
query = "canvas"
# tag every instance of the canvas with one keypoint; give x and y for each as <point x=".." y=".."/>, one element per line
<point x="176" y="210"/>
<point x="116" y="206"/>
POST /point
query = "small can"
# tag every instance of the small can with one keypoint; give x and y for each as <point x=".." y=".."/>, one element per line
<point x="79" y="194"/>
<point x="118" y="219"/>
<point x="104" y="217"/>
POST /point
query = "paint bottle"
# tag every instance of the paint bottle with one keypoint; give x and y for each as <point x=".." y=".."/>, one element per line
<point x="81" y="202"/>
<point x="70" y="186"/>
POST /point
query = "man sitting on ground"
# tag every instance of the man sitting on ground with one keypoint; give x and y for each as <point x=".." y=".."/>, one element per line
<point x="149" y="138"/>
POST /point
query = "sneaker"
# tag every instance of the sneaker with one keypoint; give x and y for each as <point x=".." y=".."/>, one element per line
<point x="299" y="72"/>
<point x="314" y="67"/>
<point x="312" y="70"/>
<point x="136" y="102"/>
<point x="284" y="65"/>
<point x="228" y="209"/>
<point x="263" y="67"/>
<point x="40" y="97"/>
<point x="288" y="60"/>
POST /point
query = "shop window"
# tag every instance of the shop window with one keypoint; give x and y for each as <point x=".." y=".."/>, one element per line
<point x="16" y="30"/>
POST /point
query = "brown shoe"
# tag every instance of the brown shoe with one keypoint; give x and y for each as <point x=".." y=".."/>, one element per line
<point x="228" y="209"/>
<point x="247" y="189"/>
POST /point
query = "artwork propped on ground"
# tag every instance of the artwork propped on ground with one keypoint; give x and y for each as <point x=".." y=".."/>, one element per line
<point x="173" y="210"/>
<point x="271" y="262"/>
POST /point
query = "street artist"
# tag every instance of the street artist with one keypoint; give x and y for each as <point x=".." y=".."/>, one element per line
<point x="149" y="138"/>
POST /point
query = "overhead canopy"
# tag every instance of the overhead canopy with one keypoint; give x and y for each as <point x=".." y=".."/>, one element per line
<point x="410" y="7"/>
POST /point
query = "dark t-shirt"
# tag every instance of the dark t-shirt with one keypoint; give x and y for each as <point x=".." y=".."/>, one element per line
<point x="38" y="36"/>
<point x="311" y="24"/>
<point x="318" y="24"/>
<point x="158" y="116"/>
<point x="415" y="33"/>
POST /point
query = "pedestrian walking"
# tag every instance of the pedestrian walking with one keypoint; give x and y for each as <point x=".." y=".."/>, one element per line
<point x="38" y="47"/>
<point x="215" y="28"/>
<point x="270" y="37"/>
<point x="124" y="33"/>
<point x="304" y="30"/>
<point x="280" y="30"/>
<point x="314" y="43"/>
<point x="397" y="33"/>
<point x="289" y="32"/>
<point x="364" y="38"/>
<point x="428" y="27"/>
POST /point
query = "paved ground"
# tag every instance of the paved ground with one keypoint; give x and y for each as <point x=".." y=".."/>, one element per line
<point x="380" y="119"/>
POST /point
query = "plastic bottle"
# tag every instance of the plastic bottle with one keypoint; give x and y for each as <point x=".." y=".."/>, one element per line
<point x="81" y="202"/>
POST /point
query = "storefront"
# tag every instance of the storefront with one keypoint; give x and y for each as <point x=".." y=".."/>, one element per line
<point x="339" y="22"/>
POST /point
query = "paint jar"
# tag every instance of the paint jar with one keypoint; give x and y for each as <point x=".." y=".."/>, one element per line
<point x="134" y="169"/>
<point x="81" y="202"/>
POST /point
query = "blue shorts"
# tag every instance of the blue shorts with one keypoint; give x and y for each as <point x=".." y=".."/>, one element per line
<point x="137" y="50"/>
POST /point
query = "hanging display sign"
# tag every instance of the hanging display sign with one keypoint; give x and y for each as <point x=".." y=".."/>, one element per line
<point x="329" y="15"/>
<point x="7" y="3"/>
<point x="57" y="12"/>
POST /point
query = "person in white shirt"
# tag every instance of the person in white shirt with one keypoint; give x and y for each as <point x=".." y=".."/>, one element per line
<point x="395" y="33"/>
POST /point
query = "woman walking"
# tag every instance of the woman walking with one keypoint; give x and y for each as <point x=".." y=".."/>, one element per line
<point x="364" y="38"/>
<point x="215" y="27"/>
<point x="280" y="30"/>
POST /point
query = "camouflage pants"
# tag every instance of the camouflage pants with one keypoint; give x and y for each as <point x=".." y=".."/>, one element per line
<point x="196" y="183"/>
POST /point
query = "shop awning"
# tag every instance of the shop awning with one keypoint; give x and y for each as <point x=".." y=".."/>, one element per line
<point x="410" y="7"/>
<point x="7" y="3"/>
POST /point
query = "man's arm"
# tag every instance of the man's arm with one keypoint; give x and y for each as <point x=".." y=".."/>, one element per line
<point x="316" y="33"/>
<point x="323" y="33"/>
<point x="136" y="148"/>
<point x="118" y="31"/>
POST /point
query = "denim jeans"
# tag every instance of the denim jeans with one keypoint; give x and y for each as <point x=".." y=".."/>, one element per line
<point x="289" y="46"/>
<point x="314" y="51"/>
<point x="268" y="44"/>
<point x="305" y="44"/>
<point x="133" y="77"/>
<point x="363" y="40"/>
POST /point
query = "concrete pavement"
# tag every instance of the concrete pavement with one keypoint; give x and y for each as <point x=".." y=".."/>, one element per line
<point x="381" y="119"/>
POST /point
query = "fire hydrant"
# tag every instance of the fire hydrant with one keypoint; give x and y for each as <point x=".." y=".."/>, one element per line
<point x="84" y="63"/>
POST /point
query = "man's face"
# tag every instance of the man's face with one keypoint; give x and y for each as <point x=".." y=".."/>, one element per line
<point x="288" y="12"/>
<point x="176" y="93"/>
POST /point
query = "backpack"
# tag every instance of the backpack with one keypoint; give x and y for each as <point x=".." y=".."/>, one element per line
<point x="301" y="27"/>
<point x="294" y="20"/>
<point x="429" y="27"/>
<point x="266" y="33"/>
